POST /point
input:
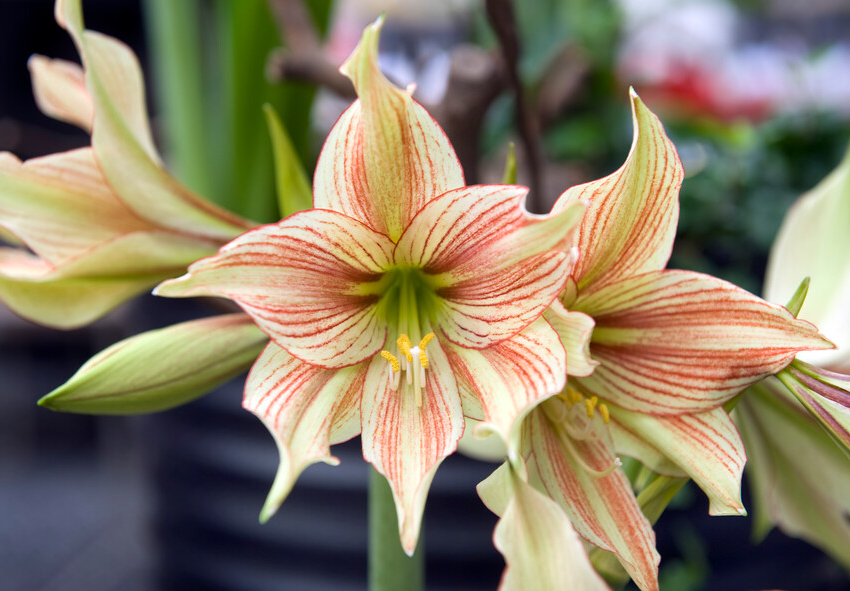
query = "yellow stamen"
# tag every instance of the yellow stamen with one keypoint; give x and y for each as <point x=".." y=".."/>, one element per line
<point x="575" y="395"/>
<point x="426" y="339"/>
<point x="589" y="405"/>
<point x="394" y="364"/>
<point x="403" y="343"/>
<point x="423" y="359"/>
<point x="606" y="416"/>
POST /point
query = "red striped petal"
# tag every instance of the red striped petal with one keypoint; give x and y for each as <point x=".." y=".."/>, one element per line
<point x="301" y="281"/>
<point x="603" y="509"/>
<point x="306" y="409"/>
<point x="495" y="266"/>
<point x="677" y="341"/>
<point x="510" y="377"/>
<point x="385" y="157"/>
<point x="706" y="446"/>
<point x="406" y="443"/>
<point x="631" y="221"/>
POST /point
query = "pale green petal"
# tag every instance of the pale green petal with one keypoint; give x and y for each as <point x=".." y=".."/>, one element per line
<point x="814" y="242"/>
<point x="60" y="91"/>
<point x="540" y="547"/>
<point x="33" y="290"/>
<point x="800" y="479"/>
<point x="122" y="139"/>
<point x="161" y="369"/>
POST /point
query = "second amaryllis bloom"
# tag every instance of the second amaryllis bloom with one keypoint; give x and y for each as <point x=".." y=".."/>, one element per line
<point x="383" y="300"/>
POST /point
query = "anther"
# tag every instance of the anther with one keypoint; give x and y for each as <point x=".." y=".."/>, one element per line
<point x="394" y="364"/>
<point x="426" y="339"/>
<point x="606" y="416"/>
<point x="575" y="396"/>
<point x="589" y="405"/>
<point x="403" y="343"/>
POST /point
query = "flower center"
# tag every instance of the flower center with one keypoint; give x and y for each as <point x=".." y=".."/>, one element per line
<point x="414" y="370"/>
<point x="573" y="416"/>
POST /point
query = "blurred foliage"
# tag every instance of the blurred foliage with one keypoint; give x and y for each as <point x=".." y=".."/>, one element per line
<point x="741" y="177"/>
<point x="212" y="87"/>
<point x="740" y="180"/>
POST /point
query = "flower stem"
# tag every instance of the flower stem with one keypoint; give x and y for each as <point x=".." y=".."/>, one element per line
<point x="390" y="568"/>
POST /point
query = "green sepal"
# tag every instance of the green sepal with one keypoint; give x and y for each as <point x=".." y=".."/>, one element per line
<point x="796" y="302"/>
<point x="162" y="368"/>
<point x="294" y="192"/>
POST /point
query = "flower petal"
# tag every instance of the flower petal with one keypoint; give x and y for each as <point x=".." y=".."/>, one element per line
<point x="122" y="140"/>
<point x="677" y="341"/>
<point x="61" y="206"/>
<point x="161" y="369"/>
<point x="495" y="266"/>
<point x="575" y="330"/>
<point x="511" y="377"/>
<point x="603" y="509"/>
<point x="540" y="547"/>
<point x="301" y="280"/>
<point x="799" y="477"/>
<point x="60" y="91"/>
<point x="385" y="157"/>
<point x="306" y="409"/>
<point x="32" y="289"/>
<point x="631" y="221"/>
<point x="706" y="446"/>
<point x="405" y="442"/>
<point x="813" y="242"/>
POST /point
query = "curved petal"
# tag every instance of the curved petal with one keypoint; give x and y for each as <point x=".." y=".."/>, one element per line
<point x="677" y="341"/>
<point x="813" y="242"/>
<point x="306" y="409"/>
<point x="32" y="289"/>
<point x="302" y="281"/>
<point x="706" y="446"/>
<point x="511" y="377"/>
<point x="385" y="157"/>
<point x="60" y="91"/>
<point x="405" y="442"/>
<point x="631" y="221"/>
<point x="60" y="205"/>
<point x="540" y="547"/>
<point x="495" y="266"/>
<point x="122" y="140"/>
<point x="603" y="509"/>
<point x="575" y="330"/>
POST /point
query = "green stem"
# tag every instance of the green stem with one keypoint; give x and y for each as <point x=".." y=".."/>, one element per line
<point x="390" y="569"/>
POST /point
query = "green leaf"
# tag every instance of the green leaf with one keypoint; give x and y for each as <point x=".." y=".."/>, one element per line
<point x="294" y="192"/>
<point x="161" y="369"/>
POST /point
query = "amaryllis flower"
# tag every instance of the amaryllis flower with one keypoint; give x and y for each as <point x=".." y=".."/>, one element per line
<point x="102" y="223"/>
<point x="379" y="300"/>
<point x="652" y="356"/>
